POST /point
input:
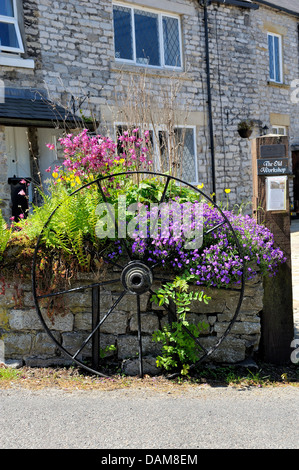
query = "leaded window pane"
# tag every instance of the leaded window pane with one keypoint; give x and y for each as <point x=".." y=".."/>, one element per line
<point x="186" y="154"/>
<point x="171" y="40"/>
<point x="147" y="38"/>
<point x="123" y="42"/>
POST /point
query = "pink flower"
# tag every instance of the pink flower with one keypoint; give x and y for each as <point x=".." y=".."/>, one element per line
<point x="48" y="170"/>
<point x="22" y="193"/>
<point x="51" y="146"/>
<point x="23" y="182"/>
<point x="21" y="216"/>
<point x="11" y="218"/>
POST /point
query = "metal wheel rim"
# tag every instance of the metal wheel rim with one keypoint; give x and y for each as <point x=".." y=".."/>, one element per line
<point x="98" y="181"/>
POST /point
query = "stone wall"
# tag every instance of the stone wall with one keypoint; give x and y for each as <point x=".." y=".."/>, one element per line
<point x="25" y="339"/>
<point x="72" y="45"/>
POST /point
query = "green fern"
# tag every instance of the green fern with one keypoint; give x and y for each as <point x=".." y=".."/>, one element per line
<point x="5" y="234"/>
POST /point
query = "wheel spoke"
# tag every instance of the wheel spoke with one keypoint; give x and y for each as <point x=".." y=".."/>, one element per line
<point x="158" y="263"/>
<point x="163" y="279"/>
<point x="123" y="242"/>
<point x="113" y="262"/>
<point x="214" y="228"/>
<point x="139" y="336"/>
<point x="99" y="324"/>
<point x="74" y="289"/>
<point x="160" y="202"/>
<point x="95" y="318"/>
<point x="165" y="189"/>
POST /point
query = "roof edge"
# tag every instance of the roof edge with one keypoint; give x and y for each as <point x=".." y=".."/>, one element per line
<point x="277" y="7"/>
<point x="238" y="3"/>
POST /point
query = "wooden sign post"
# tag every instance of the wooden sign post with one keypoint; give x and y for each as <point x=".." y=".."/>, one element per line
<point x="271" y="207"/>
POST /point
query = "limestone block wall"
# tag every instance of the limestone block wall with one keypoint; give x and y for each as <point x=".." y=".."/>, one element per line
<point x="26" y="340"/>
<point x="72" y="45"/>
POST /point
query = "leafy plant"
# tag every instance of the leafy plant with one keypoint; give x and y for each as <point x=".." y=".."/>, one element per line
<point x="179" y="349"/>
<point x="247" y="124"/>
<point x="5" y="234"/>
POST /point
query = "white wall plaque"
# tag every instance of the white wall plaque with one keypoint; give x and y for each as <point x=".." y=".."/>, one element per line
<point x="276" y="193"/>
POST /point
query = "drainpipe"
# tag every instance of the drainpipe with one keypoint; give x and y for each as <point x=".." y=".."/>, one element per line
<point x="205" y="3"/>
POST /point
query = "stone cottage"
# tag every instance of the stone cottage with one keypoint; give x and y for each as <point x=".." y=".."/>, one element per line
<point x="209" y="64"/>
<point x="189" y="71"/>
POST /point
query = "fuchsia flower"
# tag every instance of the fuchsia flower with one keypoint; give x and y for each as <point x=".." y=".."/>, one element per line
<point x="85" y="154"/>
<point x="22" y="192"/>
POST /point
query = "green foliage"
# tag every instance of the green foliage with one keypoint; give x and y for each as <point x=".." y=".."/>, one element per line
<point x="104" y="352"/>
<point x="72" y="227"/>
<point x="150" y="191"/>
<point x="8" y="373"/>
<point x="5" y="234"/>
<point x="179" y="348"/>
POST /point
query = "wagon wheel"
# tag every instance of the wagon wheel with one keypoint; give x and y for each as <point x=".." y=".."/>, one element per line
<point x="136" y="276"/>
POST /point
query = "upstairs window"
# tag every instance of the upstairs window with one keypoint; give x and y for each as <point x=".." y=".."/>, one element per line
<point x="275" y="58"/>
<point x="145" y="37"/>
<point x="279" y="130"/>
<point x="10" y="36"/>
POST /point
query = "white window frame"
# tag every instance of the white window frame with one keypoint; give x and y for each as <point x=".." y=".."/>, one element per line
<point x="161" y="43"/>
<point x="162" y="128"/>
<point x="13" y="20"/>
<point x="273" y="80"/>
<point x="277" y="128"/>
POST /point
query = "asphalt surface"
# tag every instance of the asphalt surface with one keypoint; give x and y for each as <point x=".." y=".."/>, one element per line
<point x="202" y="418"/>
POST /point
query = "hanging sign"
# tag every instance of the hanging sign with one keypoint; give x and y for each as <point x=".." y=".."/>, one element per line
<point x="272" y="166"/>
<point x="273" y="151"/>
<point x="276" y="193"/>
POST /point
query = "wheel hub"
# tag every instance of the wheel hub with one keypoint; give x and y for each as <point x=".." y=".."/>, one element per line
<point x="136" y="277"/>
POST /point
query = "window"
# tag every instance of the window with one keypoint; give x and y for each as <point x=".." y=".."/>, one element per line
<point x="183" y="145"/>
<point x="275" y="57"/>
<point x="145" y="37"/>
<point x="10" y="36"/>
<point x="279" y="130"/>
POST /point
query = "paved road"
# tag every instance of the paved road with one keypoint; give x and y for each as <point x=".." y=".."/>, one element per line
<point x="205" y="417"/>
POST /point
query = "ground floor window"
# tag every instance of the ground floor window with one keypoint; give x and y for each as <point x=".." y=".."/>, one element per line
<point x="173" y="151"/>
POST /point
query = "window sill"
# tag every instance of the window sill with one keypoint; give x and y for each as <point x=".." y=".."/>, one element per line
<point x="117" y="66"/>
<point x="278" y="85"/>
<point x="16" y="62"/>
